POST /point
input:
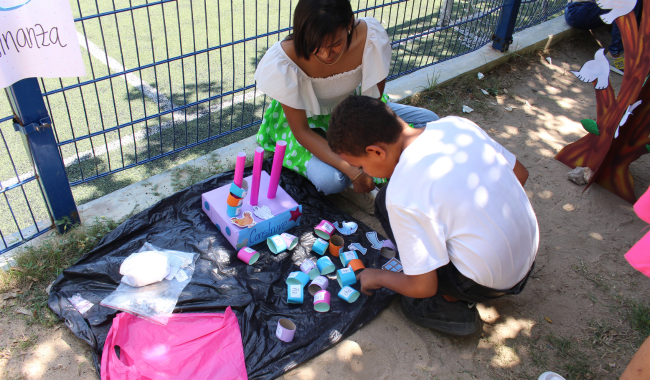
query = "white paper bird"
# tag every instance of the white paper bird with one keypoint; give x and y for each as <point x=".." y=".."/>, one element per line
<point x="619" y="8"/>
<point x="596" y="69"/>
<point x="626" y="115"/>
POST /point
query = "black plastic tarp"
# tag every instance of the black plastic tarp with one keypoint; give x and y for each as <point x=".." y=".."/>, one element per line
<point x="257" y="294"/>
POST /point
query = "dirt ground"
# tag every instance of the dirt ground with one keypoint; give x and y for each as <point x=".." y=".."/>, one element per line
<point x="576" y="315"/>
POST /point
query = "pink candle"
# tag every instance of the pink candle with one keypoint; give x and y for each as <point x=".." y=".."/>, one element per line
<point x="239" y="168"/>
<point x="257" y="174"/>
<point x="278" y="159"/>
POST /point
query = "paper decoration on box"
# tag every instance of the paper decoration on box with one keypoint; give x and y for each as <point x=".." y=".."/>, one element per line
<point x="263" y="212"/>
<point x="621" y="133"/>
<point x="392" y="265"/>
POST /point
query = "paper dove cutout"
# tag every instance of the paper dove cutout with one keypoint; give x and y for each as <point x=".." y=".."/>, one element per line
<point x="596" y="69"/>
<point x="619" y="8"/>
<point x="347" y="228"/>
<point x="626" y="115"/>
<point x="358" y="247"/>
<point x="263" y="212"/>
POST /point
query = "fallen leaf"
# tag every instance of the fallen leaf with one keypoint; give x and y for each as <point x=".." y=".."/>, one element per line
<point x="485" y="92"/>
<point x="17" y="269"/>
<point x="22" y="310"/>
<point x="480" y="76"/>
<point x="467" y="109"/>
<point x="8" y="295"/>
<point x="509" y="108"/>
<point x="505" y="90"/>
<point x="549" y="60"/>
<point x="548" y="319"/>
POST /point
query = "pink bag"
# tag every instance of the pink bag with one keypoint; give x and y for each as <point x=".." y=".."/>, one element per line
<point x="639" y="254"/>
<point x="192" y="346"/>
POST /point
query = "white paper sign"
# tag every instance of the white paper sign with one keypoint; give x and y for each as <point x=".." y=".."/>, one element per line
<point x="38" y="39"/>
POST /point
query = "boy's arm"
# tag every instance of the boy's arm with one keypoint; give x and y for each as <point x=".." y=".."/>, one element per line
<point x="521" y="173"/>
<point x="418" y="286"/>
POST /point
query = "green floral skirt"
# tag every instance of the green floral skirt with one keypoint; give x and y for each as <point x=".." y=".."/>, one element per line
<point x="275" y="127"/>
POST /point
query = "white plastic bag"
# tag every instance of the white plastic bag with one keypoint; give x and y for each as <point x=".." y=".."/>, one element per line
<point x="144" y="268"/>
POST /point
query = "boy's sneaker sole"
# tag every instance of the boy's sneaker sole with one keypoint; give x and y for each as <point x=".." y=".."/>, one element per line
<point x="436" y="313"/>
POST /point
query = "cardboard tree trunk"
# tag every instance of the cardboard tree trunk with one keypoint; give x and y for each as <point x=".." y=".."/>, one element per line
<point x="608" y="156"/>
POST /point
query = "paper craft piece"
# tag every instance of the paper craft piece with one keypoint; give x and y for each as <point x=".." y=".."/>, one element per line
<point x="596" y="69"/>
<point x="627" y="114"/>
<point x="286" y="330"/>
<point x="248" y="255"/>
<point x="346" y="228"/>
<point x="320" y="246"/>
<point x="324" y="229"/>
<point x="39" y="39"/>
<point x="358" y="247"/>
<point x="239" y="191"/>
<point x="374" y="240"/>
<point x="295" y="294"/>
<point x="257" y="176"/>
<point x="347" y="256"/>
<point x="393" y="265"/>
<point x="298" y="278"/>
<point x="310" y="268"/>
<point x="336" y="245"/>
<point x="234" y="201"/>
<point x="348" y="294"/>
<point x="262" y="212"/>
<point x="356" y="264"/>
<point x="239" y="168"/>
<point x="278" y="159"/>
<point x="480" y="76"/>
<point x="322" y="301"/>
<point x="290" y="240"/>
<point x="618" y="8"/>
<point x="245" y="221"/>
<point x="345" y="277"/>
<point x="467" y="109"/>
<point x="319" y="283"/>
<point x="549" y="60"/>
<point x="325" y="265"/>
<point x="388" y="249"/>
<point x="276" y="244"/>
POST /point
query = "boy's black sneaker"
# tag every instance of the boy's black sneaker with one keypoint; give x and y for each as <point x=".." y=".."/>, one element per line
<point x="454" y="318"/>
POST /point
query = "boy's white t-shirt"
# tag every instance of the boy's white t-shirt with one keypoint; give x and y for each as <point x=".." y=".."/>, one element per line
<point x="454" y="196"/>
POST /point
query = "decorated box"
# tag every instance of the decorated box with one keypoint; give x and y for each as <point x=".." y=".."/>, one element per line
<point x="286" y="213"/>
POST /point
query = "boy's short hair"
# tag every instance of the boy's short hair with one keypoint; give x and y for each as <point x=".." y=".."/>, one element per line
<point x="360" y="121"/>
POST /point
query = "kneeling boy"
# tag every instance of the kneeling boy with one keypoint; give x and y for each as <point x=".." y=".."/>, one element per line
<point x="455" y="208"/>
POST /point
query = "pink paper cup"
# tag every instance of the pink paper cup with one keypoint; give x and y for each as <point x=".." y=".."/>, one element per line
<point x="248" y="255"/>
<point x="322" y="301"/>
<point x="324" y="229"/>
<point x="286" y="330"/>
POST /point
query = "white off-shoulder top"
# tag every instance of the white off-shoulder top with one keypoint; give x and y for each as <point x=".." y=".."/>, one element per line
<point x="280" y="78"/>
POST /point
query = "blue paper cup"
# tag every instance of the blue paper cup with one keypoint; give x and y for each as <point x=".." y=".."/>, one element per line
<point x="233" y="211"/>
<point x="325" y="265"/>
<point x="320" y="246"/>
<point x="239" y="192"/>
<point x="348" y="294"/>
<point x="295" y="294"/>
<point x="276" y="244"/>
<point x="348" y="256"/>
<point x="345" y="277"/>
<point x="298" y="278"/>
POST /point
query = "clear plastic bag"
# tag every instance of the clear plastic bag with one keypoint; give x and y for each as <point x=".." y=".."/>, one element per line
<point x="155" y="302"/>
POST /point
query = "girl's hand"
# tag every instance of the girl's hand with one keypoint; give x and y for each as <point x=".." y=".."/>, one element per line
<point x="363" y="184"/>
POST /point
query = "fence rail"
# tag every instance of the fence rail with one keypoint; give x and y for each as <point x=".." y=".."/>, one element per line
<point x="169" y="79"/>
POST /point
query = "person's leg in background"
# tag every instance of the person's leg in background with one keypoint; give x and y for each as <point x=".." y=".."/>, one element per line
<point x="325" y="177"/>
<point x="583" y="15"/>
<point x="417" y="116"/>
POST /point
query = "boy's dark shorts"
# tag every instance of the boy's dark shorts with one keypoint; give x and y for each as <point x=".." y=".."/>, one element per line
<point x="454" y="284"/>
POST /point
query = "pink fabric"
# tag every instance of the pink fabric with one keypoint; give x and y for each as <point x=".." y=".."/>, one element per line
<point x="639" y="254"/>
<point x="192" y="346"/>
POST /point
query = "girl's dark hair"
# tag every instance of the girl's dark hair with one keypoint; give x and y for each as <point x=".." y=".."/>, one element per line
<point x="315" y="20"/>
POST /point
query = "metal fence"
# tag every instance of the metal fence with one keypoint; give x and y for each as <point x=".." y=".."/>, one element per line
<point x="169" y="76"/>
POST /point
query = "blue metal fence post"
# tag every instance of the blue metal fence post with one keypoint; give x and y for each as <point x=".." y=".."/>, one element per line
<point x="503" y="36"/>
<point x="34" y="123"/>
